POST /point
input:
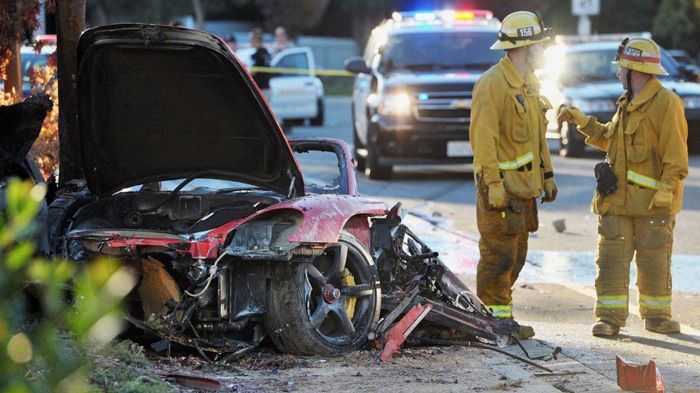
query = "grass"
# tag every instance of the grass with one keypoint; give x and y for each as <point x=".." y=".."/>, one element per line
<point x="123" y="368"/>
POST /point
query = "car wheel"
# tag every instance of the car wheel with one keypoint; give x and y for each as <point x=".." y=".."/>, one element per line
<point x="570" y="144"/>
<point x="373" y="169"/>
<point x="318" y="120"/>
<point x="327" y="306"/>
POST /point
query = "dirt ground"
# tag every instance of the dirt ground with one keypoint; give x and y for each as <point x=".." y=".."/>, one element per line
<point x="560" y="315"/>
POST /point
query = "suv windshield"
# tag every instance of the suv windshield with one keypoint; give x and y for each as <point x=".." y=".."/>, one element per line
<point x="596" y="65"/>
<point x="440" y="50"/>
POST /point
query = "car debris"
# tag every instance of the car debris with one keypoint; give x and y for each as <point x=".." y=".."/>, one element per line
<point x="638" y="377"/>
<point x="193" y="381"/>
<point x="398" y="333"/>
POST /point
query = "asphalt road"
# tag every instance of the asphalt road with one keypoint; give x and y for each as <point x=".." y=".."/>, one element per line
<point x="448" y="191"/>
<point x="554" y="294"/>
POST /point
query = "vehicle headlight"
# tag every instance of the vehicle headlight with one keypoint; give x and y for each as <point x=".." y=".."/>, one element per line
<point x="253" y="236"/>
<point x="691" y="102"/>
<point x="599" y="105"/>
<point x="398" y="104"/>
<point x="265" y="235"/>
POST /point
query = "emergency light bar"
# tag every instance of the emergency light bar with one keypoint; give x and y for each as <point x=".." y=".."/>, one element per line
<point x="479" y="16"/>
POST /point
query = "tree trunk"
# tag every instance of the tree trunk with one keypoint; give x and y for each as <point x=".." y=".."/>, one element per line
<point x="70" y="21"/>
<point x="14" y="73"/>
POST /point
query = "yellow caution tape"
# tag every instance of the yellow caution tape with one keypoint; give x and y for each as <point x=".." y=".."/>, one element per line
<point x="300" y="71"/>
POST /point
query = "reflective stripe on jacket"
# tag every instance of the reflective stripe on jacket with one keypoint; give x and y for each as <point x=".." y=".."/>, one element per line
<point x="647" y="148"/>
<point x="507" y="130"/>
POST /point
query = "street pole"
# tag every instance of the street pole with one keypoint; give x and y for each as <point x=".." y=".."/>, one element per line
<point x="584" y="26"/>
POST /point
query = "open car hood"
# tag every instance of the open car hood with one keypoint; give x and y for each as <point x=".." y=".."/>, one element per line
<point x="159" y="102"/>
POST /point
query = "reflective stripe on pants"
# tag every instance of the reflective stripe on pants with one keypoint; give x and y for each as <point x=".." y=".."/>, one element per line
<point x="501" y="310"/>
<point x="655" y="302"/>
<point x="612" y="302"/>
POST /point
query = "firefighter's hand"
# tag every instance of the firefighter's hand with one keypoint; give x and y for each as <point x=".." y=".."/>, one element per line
<point x="497" y="195"/>
<point x="663" y="198"/>
<point x="550" y="190"/>
<point x="572" y="115"/>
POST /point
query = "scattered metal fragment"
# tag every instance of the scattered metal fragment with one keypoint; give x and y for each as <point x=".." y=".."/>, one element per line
<point x="546" y="358"/>
<point x="559" y="225"/>
<point x="191" y="381"/>
<point x="435" y="341"/>
<point x="639" y="377"/>
<point x="396" y="336"/>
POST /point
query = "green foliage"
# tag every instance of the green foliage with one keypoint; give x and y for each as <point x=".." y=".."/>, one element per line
<point x="47" y="355"/>
<point x="120" y="368"/>
<point x="677" y="25"/>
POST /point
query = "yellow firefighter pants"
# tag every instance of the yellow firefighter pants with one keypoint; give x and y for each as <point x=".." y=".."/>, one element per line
<point x="649" y="240"/>
<point x="503" y="248"/>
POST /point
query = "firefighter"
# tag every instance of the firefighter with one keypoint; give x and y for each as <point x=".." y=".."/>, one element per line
<point x="647" y="157"/>
<point x="512" y="165"/>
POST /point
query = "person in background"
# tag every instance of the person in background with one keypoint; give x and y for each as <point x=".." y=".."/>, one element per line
<point x="261" y="58"/>
<point x="281" y="40"/>
<point x="231" y="41"/>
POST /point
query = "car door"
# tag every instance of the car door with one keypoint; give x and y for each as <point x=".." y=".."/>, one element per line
<point x="361" y="91"/>
<point x="326" y="164"/>
<point x="293" y="91"/>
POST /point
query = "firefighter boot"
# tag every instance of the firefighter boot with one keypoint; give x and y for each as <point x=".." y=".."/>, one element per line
<point x="663" y="326"/>
<point x="602" y="328"/>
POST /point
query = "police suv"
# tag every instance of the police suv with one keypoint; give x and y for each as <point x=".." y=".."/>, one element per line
<point x="412" y="94"/>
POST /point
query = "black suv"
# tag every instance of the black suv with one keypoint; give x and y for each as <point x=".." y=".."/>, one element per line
<point x="412" y="94"/>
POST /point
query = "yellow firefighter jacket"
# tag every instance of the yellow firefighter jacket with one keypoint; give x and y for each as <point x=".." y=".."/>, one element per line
<point x="507" y="131"/>
<point x="647" y="148"/>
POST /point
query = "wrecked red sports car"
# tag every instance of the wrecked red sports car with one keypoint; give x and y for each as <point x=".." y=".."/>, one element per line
<point x="190" y="179"/>
<point x="187" y="177"/>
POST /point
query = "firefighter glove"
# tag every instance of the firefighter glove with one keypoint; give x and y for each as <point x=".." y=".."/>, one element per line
<point x="662" y="198"/>
<point x="572" y="115"/>
<point x="497" y="195"/>
<point x="550" y="190"/>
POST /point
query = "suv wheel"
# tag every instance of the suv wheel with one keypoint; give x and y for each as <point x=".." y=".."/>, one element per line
<point x="360" y="163"/>
<point x="318" y="120"/>
<point x="326" y="306"/>
<point x="570" y="144"/>
<point x="373" y="169"/>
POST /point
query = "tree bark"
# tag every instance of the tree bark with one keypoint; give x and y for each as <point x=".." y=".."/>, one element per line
<point x="70" y="21"/>
<point x="13" y="84"/>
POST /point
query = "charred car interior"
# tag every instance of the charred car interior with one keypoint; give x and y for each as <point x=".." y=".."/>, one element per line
<point x="189" y="180"/>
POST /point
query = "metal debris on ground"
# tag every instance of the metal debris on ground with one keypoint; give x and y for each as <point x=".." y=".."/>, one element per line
<point x="192" y="381"/>
<point x="412" y="275"/>
<point x="639" y="377"/>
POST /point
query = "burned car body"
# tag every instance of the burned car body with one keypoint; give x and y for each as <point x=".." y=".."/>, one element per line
<point x="188" y="179"/>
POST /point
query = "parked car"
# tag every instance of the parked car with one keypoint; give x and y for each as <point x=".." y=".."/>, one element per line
<point x="583" y="75"/>
<point x="32" y="58"/>
<point x="411" y="100"/>
<point x="690" y="66"/>
<point x="295" y="96"/>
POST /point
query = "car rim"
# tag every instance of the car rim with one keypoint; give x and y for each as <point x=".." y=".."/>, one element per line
<point x="338" y="295"/>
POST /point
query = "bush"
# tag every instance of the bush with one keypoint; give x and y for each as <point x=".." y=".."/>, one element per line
<point x="48" y="354"/>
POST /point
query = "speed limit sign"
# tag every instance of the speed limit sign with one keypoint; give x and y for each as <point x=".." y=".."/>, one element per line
<point x="585" y="7"/>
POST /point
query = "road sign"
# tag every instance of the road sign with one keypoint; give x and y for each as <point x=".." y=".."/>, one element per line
<point x="585" y="7"/>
